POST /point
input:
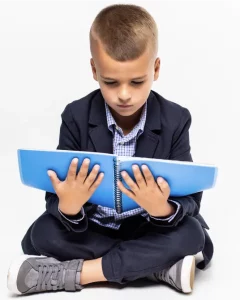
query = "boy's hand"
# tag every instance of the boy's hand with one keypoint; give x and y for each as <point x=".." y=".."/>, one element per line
<point x="76" y="189"/>
<point x="150" y="195"/>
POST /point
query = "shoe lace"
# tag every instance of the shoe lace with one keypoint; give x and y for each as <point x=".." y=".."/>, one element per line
<point x="50" y="277"/>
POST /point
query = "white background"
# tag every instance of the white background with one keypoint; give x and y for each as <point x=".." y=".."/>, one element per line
<point x="45" y="64"/>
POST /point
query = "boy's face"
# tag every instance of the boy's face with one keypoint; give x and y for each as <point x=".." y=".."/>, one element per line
<point x="122" y="84"/>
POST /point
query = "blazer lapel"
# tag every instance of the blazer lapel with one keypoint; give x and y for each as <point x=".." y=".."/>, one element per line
<point x="100" y="135"/>
<point x="149" y="140"/>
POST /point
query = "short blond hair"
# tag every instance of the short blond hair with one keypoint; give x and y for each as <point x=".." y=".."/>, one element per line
<point x="125" y="31"/>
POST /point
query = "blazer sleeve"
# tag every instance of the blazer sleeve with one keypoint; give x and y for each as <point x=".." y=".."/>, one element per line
<point x="69" y="139"/>
<point x="189" y="205"/>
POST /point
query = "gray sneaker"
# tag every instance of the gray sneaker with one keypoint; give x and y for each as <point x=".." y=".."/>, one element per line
<point x="33" y="274"/>
<point x="180" y="276"/>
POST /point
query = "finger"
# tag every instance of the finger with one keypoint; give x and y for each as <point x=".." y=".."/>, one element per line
<point x="72" y="170"/>
<point x="148" y="176"/>
<point x="83" y="172"/>
<point x="133" y="186"/>
<point x="54" y="179"/>
<point x="163" y="185"/>
<point x="96" y="183"/>
<point x="138" y="176"/>
<point x="92" y="176"/>
<point x="126" y="191"/>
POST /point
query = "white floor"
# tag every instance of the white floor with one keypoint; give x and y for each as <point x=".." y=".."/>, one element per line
<point x="21" y="205"/>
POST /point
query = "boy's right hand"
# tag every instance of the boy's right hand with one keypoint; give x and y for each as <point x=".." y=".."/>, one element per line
<point x="76" y="189"/>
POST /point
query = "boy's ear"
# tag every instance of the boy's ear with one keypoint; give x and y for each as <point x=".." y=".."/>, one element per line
<point x="94" y="71"/>
<point x="157" y="68"/>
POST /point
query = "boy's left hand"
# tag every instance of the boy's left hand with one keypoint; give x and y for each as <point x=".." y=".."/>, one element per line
<point x="149" y="194"/>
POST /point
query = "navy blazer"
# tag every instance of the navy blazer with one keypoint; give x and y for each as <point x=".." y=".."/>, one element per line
<point x="165" y="136"/>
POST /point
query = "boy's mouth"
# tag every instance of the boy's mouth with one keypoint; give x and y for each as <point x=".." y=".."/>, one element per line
<point x="124" y="106"/>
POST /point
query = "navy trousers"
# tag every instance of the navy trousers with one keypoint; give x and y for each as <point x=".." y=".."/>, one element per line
<point x="136" y="250"/>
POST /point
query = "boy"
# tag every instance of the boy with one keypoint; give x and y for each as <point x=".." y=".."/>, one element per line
<point x="74" y="242"/>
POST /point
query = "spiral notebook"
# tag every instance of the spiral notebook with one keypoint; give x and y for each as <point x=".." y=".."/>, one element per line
<point x="184" y="178"/>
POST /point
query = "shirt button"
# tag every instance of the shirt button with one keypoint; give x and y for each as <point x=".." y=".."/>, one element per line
<point x="122" y="143"/>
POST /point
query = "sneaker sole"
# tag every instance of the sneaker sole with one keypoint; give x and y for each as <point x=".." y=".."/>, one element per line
<point x="188" y="274"/>
<point x="13" y="272"/>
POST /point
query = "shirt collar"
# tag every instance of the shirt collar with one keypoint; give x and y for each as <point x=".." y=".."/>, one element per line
<point x="139" y="126"/>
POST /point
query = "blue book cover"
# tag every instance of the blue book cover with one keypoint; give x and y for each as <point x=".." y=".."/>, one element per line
<point x="184" y="178"/>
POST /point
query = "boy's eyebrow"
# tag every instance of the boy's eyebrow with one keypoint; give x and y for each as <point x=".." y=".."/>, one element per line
<point x="108" y="78"/>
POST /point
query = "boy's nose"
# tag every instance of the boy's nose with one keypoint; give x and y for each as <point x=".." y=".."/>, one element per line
<point x="124" y="96"/>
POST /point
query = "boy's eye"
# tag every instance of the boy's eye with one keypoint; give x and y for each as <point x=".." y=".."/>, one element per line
<point x="138" y="82"/>
<point x="134" y="82"/>
<point x="108" y="82"/>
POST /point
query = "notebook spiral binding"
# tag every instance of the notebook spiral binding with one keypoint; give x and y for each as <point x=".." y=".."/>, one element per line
<point x="117" y="192"/>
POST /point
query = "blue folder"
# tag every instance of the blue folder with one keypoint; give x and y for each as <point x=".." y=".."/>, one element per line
<point x="184" y="178"/>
